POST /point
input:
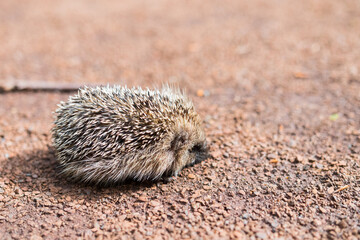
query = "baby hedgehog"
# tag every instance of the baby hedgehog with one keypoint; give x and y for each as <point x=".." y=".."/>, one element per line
<point x="106" y="135"/>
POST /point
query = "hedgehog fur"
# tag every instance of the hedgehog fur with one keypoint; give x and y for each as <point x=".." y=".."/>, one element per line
<point x="107" y="135"/>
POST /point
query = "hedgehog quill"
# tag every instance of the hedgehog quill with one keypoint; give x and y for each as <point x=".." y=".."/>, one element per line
<point x="106" y="135"/>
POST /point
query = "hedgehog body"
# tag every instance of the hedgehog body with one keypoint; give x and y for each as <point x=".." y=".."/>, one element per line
<point x="106" y="135"/>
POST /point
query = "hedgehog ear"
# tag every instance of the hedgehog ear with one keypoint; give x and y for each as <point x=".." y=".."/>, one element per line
<point x="179" y="141"/>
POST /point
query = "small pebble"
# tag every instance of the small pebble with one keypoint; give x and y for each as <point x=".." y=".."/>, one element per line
<point x="191" y="176"/>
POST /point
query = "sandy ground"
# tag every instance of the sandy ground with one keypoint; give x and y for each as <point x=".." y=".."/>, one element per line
<point x="277" y="84"/>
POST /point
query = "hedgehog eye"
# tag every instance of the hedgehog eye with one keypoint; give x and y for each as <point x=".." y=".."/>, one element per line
<point x="196" y="148"/>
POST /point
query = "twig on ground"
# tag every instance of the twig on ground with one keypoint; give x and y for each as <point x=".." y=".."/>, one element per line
<point x="28" y="85"/>
<point x="342" y="188"/>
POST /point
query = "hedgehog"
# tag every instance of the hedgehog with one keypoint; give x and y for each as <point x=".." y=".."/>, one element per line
<point x="107" y="135"/>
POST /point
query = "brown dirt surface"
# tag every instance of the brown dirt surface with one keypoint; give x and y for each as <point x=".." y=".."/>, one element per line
<point x="277" y="84"/>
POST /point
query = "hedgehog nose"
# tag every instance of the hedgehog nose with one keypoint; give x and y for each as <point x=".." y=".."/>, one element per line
<point x="200" y="157"/>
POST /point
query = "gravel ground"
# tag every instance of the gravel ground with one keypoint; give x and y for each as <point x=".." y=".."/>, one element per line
<point x="277" y="84"/>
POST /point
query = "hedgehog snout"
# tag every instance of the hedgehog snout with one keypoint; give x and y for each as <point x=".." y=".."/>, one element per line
<point x="199" y="153"/>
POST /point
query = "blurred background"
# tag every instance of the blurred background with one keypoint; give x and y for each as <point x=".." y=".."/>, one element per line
<point x="233" y="43"/>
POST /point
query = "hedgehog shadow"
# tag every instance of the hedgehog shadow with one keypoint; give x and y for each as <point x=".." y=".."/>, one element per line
<point x="38" y="170"/>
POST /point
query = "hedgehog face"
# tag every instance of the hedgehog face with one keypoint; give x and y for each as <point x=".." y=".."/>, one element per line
<point x="197" y="153"/>
<point x="189" y="148"/>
